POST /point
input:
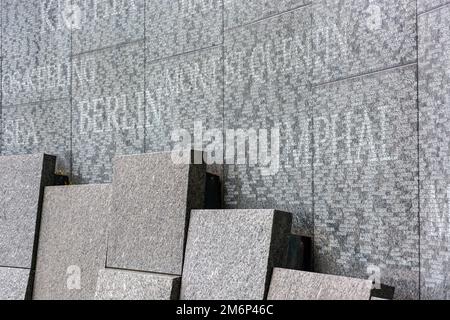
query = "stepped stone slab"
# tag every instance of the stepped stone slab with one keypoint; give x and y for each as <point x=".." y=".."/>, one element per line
<point x="152" y="198"/>
<point x="14" y="283"/>
<point x="230" y="253"/>
<point x="22" y="181"/>
<point x="298" y="285"/>
<point x="72" y="244"/>
<point x="130" y="285"/>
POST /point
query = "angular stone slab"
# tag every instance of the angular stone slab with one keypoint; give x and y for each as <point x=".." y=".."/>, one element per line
<point x="22" y="181"/>
<point x="14" y="283"/>
<point x="230" y="253"/>
<point x="434" y="107"/>
<point x="130" y="285"/>
<point x="152" y="198"/>
<point x="72" y="243"/>
<point x="298" y="285"/>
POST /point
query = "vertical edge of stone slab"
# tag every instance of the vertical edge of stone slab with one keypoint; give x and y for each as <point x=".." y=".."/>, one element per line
<point x="300" y="255"/>
<point x="15" y="283"/>
<point x="72" y="242"/>
<point x="152" y="198"/>
<point x="23" y="179"/>
<point x="278" y="256"/>
<point x="113" y="284"/>
<point x="298" y="285"/>
<point x="230" y="254"/>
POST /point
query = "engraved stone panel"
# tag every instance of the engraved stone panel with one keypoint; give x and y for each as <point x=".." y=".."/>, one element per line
<point x="152" y="199"/>
<point x="366" y="174"/>
<point x="108" y="109"/>
<point x="183" y="93"/>
<point x="267" y="97"/>
<point x="353" y="37"/>
<point x="179" y="26"/>
<point x="238" y="12"/>
<point x="427" y="5"/>
<point x="298" y="285"/>
<point x="104" y="23"/>
<point x="35" y="50"/>
<point x="72" y="242"/>
<point x="230" y="253"/>
<point x="434" y="86"/>
<point x="22" y="179"/>
<point x="38" y="127"/>
<point x="14" y="283"/>
<point x="131" y="285"/>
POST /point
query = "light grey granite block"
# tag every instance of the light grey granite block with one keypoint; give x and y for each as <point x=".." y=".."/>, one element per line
<point x="238" y="12"/>
<point x="366" y="179"/>
<point x="230" y="253"/>
<point x="131" y="285"/>
<point x="22" y="182"/>
<point x="354" y="37"/>
<point x="14" y="283"/>
<point x="72" y="242"/>
<point x="152" y="199"/>
<point x="268" y="73"/>
<point x="434" y="93"/>
<point x="299" y="285"/>
<point x="428" y="5"/>
<point x="180" y="26"/>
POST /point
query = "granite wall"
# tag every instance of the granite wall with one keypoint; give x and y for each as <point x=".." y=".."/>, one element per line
<point x="351" y="96"/>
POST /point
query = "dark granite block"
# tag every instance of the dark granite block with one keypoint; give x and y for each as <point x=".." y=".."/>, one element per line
<point x="152" y="199"/>
<point x="72" y="242"/>
<point x="434" y="93"/>
<point x="366" y="174"/>
<point x="230" y="253"/>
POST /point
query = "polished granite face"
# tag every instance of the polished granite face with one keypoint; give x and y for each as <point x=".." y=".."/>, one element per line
<point x="355" y="37"/>
<point x="434" y="90"/>
<point x="72" y="242"/>
<point x="22" y="183"/>
<point x="428" y="5"/>
<point x="14" y="283"/>
<point x="298" y="285"/>
<point x="365" y="179"/>
<point x="267" y="91"/>
<point x="115" y="284"/>
<point x="230" y="254"/>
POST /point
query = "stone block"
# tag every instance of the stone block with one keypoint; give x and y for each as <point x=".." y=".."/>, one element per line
<point x="434" y="131"/>
<point x="131" y="285"/>
<point x="152" y="199"/>
<point x="230" y="253"/>
<point x="298" y="285"/>
<point x="72" y="242"/>
<point x="22" y="182"/>
<point x="15" y="283"/>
